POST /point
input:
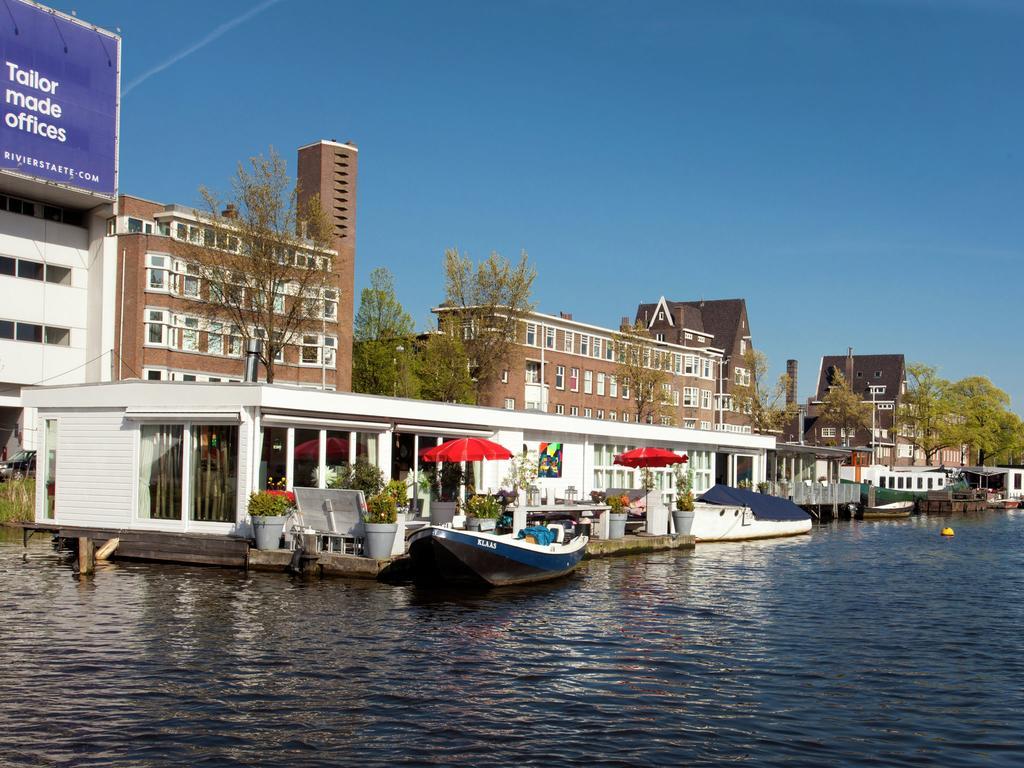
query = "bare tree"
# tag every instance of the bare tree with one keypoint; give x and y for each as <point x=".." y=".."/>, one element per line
<point x="642" y="369"/>
<point x="265" y="262"/>
<point x="488" y="301"/>
<point x="765" y="404"/>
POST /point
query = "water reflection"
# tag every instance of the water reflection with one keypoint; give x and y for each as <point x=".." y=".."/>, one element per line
<point x="862" y="643"/>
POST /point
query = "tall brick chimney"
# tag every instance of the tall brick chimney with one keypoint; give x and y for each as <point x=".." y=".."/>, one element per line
<point x="330" y="169"/>
<point x="791" y="384"/>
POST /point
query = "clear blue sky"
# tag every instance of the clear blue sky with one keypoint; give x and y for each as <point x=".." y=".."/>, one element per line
<point x="853" y="168"/>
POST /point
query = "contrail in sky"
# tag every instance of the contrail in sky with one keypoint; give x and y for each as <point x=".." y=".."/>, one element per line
<point x="227" y="26"/>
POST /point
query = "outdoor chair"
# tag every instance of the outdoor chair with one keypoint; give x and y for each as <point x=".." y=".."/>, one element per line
<point x="334" y="515"/>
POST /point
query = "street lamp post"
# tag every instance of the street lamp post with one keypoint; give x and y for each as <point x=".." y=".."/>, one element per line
<point x="394" y="363"/>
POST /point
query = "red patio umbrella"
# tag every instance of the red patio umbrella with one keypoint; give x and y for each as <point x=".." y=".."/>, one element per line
<point x="467" y="449"/>
<point x="649" y="457"/>
<point x="337" y="448"/>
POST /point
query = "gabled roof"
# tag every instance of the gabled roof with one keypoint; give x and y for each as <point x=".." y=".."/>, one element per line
<point x="891" y="370"/>
<point x="720" y="319"/>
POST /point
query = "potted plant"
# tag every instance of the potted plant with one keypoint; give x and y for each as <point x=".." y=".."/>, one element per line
<point x="397" y="490"/>
<point x="617" y="516"/>
<point x="380" y="523"/>
<point x="682" y="515"/>
<point x="269" y="511"/>
<point x="361" y="476"/>
<point x="445" y="482"/>
<point x="522" y="471"/>
<point x="482" y="513"/>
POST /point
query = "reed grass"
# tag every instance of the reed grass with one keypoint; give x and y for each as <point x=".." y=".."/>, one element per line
<point x="17" y="501"/>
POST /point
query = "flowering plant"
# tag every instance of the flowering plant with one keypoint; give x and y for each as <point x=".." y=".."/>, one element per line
<point x="483" y="506"/>
<point x="618" y="504"/>
<point x="381" y="509"/>
<point x="271" y="503"/>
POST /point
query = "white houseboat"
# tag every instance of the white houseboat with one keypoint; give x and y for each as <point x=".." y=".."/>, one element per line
<point x="182" y="457"/>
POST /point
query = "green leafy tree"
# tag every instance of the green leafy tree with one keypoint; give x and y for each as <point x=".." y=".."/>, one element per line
<point x="844" y="409"/>
<point x="383" y="341"/>
<point x="925" y="418"/>
<point x="643" y="368"/>
<point x="442" y="369"/>
<point x="765" y="404"/>
<point x="981" y="410"/>
<point x="486" y="305"/>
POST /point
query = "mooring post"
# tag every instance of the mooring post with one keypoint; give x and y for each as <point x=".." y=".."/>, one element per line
<point x="85" y="560"/>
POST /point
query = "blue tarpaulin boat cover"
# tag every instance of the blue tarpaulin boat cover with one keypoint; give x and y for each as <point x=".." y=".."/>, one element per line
<point x="541" y="535"/>
<point x="764" y="506"/>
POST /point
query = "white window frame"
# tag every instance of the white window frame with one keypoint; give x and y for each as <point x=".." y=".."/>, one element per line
<point x="164" y="321"/>
<point x="588" y="382"/>
<point x="162" y="264"/>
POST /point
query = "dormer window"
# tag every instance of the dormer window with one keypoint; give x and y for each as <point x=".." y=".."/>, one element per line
<point x="878" y="374"/>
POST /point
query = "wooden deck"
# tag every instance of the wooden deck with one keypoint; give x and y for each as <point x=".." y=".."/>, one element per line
<point x="158" y="546"/>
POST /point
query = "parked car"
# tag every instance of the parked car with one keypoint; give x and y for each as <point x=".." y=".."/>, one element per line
<point x="22" y="464"/>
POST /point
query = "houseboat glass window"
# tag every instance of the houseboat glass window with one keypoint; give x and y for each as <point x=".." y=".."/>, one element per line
<point x="50" y="467"/>
<point x="931" y="482"/>
<point x="1016" y="481"/>
<point x="366" y="446"/>
<point x="744" y="469"/>
<point x="306" y="458"/>
<point x="160" y="471"/>
<point x="214" y="478"/>
<point x="274" y="457"/>
<point x="337" y="454"/>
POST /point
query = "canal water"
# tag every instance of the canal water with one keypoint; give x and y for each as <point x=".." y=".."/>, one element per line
<point x="875" y="643"/>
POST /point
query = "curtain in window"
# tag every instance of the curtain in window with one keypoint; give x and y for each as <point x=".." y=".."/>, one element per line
<point x="214" y="475"/>
<point x="160" y="471"/>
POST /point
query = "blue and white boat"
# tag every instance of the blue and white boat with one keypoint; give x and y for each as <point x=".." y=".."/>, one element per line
<point x="443" y="554"/>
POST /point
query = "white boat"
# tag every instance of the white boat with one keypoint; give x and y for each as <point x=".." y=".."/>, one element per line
<point x="734" y="514"/>
<point x="889" y="511"/>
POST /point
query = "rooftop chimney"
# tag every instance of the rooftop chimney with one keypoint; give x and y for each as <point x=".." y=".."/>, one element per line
<point x="565" y="315"/>
<point x="849" y="366"/>
<point x="791" y="389"/>
<point x="230" y="212"/>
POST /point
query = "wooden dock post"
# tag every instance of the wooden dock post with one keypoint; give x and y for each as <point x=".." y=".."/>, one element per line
<point x="85" y="558"/>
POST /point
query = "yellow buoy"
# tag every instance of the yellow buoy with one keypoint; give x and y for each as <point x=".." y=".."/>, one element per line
<point x="948" y="532"/>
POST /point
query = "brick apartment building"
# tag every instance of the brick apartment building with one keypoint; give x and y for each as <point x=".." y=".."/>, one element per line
<point x="720" y="323"/>
<point x="880" y="380"/>
<point x="567" y="367"/>
<point x="160" y="331"/>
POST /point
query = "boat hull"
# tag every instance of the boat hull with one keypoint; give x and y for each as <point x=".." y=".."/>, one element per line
<point x="449" y="556"/>
<point x="717" y="523"/>
<point x="892" y="511"/>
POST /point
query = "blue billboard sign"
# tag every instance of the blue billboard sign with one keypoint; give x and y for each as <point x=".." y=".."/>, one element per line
<point x="60" y="80"/>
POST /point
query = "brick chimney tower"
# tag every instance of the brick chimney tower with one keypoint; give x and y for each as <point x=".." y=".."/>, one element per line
<point x="330" y="169"/>
<point x="791" y="384"/>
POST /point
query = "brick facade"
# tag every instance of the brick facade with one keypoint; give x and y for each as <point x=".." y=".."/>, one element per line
<point x="147" y="229"/>
<point x="565" y="367"/>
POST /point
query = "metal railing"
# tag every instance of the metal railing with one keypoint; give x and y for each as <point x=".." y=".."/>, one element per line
<point x="816" y="494"/>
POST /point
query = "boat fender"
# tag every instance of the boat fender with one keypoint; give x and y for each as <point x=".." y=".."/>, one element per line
<point x="948" y="532"/>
